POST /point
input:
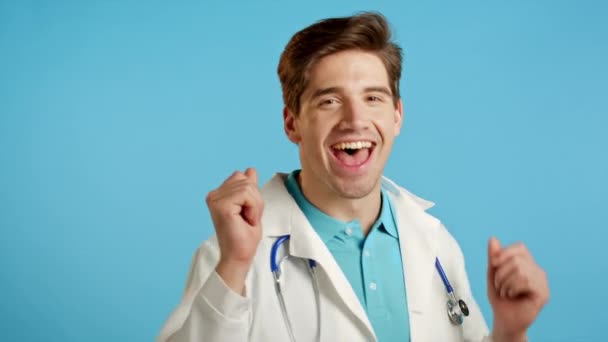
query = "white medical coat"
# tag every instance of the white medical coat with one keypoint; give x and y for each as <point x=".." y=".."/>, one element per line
<point x="210" y="311"/>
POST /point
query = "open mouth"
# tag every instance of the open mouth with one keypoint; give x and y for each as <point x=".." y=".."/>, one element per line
<point x="353" y="153"/>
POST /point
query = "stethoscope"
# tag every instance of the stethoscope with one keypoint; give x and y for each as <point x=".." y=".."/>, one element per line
<point x="275" y="268"/>
<point x="456" y="308"/>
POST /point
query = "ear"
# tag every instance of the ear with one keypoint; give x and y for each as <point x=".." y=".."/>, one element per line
<point x="290" y="124"/>
<point x="398" y="117"/>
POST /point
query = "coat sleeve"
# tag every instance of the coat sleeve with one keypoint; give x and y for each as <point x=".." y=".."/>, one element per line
<point x="209" y="310"/>
<point x="475" y="328"/>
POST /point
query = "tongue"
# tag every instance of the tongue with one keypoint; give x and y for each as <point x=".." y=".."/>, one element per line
<point x="355" y="159"/>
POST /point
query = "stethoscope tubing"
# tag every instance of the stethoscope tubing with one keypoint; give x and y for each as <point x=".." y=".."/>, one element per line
<point x="444" y="277"/>
<point x="275" y="267"/>
<point x="455" y="306"/>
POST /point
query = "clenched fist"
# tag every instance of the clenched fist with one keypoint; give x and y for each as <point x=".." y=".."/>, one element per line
<point x="517" y="290"/>
<point x="236" y="210"/>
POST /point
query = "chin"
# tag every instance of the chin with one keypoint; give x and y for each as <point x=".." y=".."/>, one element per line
<point x="356" y="187"/>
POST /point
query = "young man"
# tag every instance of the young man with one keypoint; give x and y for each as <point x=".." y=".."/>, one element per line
<point x="374" y="245"/>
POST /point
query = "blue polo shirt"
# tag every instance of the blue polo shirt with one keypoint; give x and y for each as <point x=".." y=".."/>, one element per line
<point x="372" y="264"/>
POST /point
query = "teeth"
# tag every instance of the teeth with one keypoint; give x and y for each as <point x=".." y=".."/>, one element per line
<point x="355" y="145"/>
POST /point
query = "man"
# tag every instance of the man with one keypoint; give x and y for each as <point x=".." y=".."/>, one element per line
<point x="374" y="245"/>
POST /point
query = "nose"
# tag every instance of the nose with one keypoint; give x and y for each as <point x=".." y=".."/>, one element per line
<point x="354" y="116"/>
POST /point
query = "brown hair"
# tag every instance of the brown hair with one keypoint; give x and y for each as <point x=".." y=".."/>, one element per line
<point x="367" y="31"/>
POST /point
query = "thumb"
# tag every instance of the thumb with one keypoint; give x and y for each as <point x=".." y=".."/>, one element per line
<point x="493" y="247"/>
<point x="252" y="174"/>
<point x="253" y="213"/>
<point x="493" y="251"/>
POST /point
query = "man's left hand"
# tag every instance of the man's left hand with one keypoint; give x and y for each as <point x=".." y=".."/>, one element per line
<point x="517" y="290"/>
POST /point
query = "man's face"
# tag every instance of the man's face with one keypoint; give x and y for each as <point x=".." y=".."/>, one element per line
<point x="347" y="124"/>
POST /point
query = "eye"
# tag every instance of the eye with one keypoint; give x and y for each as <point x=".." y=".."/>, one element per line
<point x="327" y="102"/>
<point x="374" y="98"/>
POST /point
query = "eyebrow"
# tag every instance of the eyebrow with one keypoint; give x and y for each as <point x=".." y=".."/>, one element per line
<point x="324" y="91"/>
<point x="384" y="90"/>
<point x="331" y="90"/>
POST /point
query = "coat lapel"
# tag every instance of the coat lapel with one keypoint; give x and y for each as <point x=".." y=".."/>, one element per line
<point x="284" y="217"/>
<point x="417" y="241"/>
<point x="418" y="252"/>
<point x="306" y="243"/>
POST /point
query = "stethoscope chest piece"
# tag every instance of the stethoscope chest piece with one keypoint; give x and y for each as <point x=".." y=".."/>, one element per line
<point x="457" y="311"/>
<point x="463" y="307"/>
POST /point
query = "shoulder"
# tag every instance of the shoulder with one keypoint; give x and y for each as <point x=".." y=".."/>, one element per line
<point x="395" y="189"/>
<point x="275" y="188"/>
<point x="418" y="207"/>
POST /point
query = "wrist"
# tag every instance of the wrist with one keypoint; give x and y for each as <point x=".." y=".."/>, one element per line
<point x="502" y="336"/>
<point x="233" y="274"/>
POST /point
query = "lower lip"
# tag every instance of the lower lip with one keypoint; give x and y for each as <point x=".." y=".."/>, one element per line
<point x="352" y="169"/>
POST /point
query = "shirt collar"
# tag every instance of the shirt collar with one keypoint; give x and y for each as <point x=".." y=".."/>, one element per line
<point x="386" y="216"/>
<point x="328" y="227"/>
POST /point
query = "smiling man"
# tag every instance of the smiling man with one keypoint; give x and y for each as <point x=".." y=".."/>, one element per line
<point x="365" y="261"/>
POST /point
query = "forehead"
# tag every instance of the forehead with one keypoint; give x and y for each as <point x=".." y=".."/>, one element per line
<point x="350" y="70"/>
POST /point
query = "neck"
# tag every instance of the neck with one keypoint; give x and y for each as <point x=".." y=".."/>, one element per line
<point x="365" y="209"/>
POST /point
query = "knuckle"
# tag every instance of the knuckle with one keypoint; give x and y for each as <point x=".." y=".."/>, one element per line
<point x="519" y="271"/>
<point x="235" y="176"/>
<point x="518" y="261"/>
<point x="223" y="214"/>
<point x="210" y="196"/>
<point x="523" y="248"/>
<point x="245" y="188"/>
<point x="238" y="175"/>
<point x="525" y="280"/>
<point x="247" y="183"/>
<point x="253" y="191"/>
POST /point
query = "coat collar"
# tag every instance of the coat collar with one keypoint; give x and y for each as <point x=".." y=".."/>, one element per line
<point x="416" y="228"/>
<point x="278" y="203"/>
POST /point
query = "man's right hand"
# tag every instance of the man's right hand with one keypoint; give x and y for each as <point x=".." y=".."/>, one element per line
<point x="236" y="210"/>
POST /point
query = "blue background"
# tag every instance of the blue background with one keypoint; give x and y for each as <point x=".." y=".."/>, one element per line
<point x="117" y="118"/>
